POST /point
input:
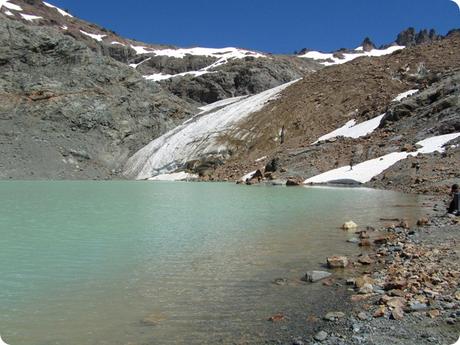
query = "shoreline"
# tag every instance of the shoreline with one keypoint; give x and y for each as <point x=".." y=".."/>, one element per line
<point x="405" y="290"/>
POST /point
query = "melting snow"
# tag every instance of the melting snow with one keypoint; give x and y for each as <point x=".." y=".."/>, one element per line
<point x="141" y="49"/>
<point x="94" y="36"/>
<point x="117" y="43"/>
<point x="195" y="138"/>
<point x="180" y="176"/>
<point x="135" y="65"/>
<point x="161" y="76"/>
<point x="30" y="17"/>
<point x="248" y="176"/>
<point x="62" y="12"/>
<point x="64" y="27"/>
<point x="9" y="5"/>
<point x="348" y="56"/>
<point x="365" y="171"/>
<point x="403" y="95"/>
<point x="8" y="13"/>
<point x="353" y="130"/>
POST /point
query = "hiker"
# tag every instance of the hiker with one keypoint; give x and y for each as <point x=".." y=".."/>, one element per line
<point x="454" y="204"/>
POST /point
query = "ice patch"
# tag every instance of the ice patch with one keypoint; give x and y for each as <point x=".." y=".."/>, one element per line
<point x="9" y="5"/>
<point x="365" y="171"/>
<point x="195" y="138"/>
<point x="353" y="130"/>
<point x="62" y="12"/>
<point x="94" y="36"/>
<point x="403" y="95"/>
<point x="180" y="176"/>
<point x="30" y="17"/>
<point x="315" y="55"/>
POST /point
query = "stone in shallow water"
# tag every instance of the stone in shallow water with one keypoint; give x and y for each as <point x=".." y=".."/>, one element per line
<point x="337" y="261"/>
<point x="351" y="225"/>
<point x="314" y="276"/>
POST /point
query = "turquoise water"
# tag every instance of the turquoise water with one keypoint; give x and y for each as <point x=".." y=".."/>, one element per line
<point x="163" y="263"/>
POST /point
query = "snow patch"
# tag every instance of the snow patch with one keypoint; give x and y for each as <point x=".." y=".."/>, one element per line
<point x="117" y="43"/>
<point x="94" y="36"/>
<point x="365" y="171"/>
<point x="353" y="130"/>
<point x="195" y="138"/>
<point x="319" y="56"/>
<point x="30" y="17"/>
<point x="135" y="65"/>
<point x="161" y="76"/>
<point x="248" y="176"/>
<point x="64" y="27"/>
<point x="141" y="50"/>
<point x="403" y="95"/>
<point x="179" y="176"/>
<point x="8" y="13"/>
<point x="9" y="5"/>
<point x="62" y="12"/>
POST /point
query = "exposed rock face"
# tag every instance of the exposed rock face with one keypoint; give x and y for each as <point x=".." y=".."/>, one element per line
<point x="368" y="45"/>
<point x="410" y="37"/>
<point x="68" y="112"/>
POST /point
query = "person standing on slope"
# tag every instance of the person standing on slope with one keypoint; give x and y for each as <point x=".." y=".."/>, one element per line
<point x="455" y="203"/>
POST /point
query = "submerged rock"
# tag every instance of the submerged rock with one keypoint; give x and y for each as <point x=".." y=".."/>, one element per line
<point x="315" y="276"/>
<point x="337" y="261"/>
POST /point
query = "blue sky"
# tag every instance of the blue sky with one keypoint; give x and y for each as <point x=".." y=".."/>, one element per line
<point x="277" y="26"/>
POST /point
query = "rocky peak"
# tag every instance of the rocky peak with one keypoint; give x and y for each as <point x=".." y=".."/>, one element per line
<point x="368" y="45"/>
<point x="410" y="37"/>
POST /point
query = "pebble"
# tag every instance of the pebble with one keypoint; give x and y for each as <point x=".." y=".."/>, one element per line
<point x="321" y="336"/>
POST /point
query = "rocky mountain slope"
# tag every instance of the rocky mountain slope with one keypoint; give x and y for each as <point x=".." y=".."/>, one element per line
<point x="78" y="100"/>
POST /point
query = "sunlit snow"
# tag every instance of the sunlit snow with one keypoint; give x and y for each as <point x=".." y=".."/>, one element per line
<point x="9" y="5"/>
<point x="62" y="12"/>
<point x="196" y="138"/>
<point x="30" y="17"/>
<point x="135" y="65"/>
<point x="404" y="95"/>
<point x="365" y="171"/>
<point x="315" y="55"/>
<point x="221" y="103"/>
<point x="8" y="13"/>
<point x="94" y="36"/>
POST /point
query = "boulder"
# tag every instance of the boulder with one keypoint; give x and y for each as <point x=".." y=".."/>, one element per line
<point x="397" y="313"/>
<point x="334" y="315"/>
<point x="337" y="261"/>
<point x="320" y="336"/>
<point x="423" y="221"/>
<point x="350" y="225"/>
<point x="365" y="260"/>
<point x="292" y="183"/>
<point x="315" y="276"/>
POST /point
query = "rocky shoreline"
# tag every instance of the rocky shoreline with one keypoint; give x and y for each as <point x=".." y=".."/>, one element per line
<point x="404" y="290"/>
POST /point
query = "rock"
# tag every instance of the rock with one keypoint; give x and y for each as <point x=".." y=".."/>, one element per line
<point x="272" y="166"/>
<point x="350" y="225"/>
<point x="363" y="280"/>
<point x="292" y="183"/>
<point x="315" y="276"/>
<point x="450" y="321"/>
<point x="363" y="316"/>
<point x="363" y="235"/>
<point x="333" y="316"/>
<point x="396" y="293"/>
<point x="396" y="302"/>
<point x="360" y="298"/>
<point x="381" y="240"/>
<point x="321" y="336"/>
<point x="353" y="240"/>
<point x="365" y="260"/>
<point x="457" y="295"/>
<point x="396" y="284"/>
<point x="397" y="313"/>
<point x="404" y="224"/>
<point x="365" y="243"/>
<point x="380" y="312"/>
<point x="298" y="342"/>
<point x="434" y="313"/>
<point x="280" y="281"/>
<point x="423" y="221"/>
<point x="366" y="289"/>
<point x="337" y="261"/>
<point x="276" y="318"/>
<point x="417" y="306"/>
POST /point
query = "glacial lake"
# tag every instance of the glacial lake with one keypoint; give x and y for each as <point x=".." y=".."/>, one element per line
<point x="137" y="263"/>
